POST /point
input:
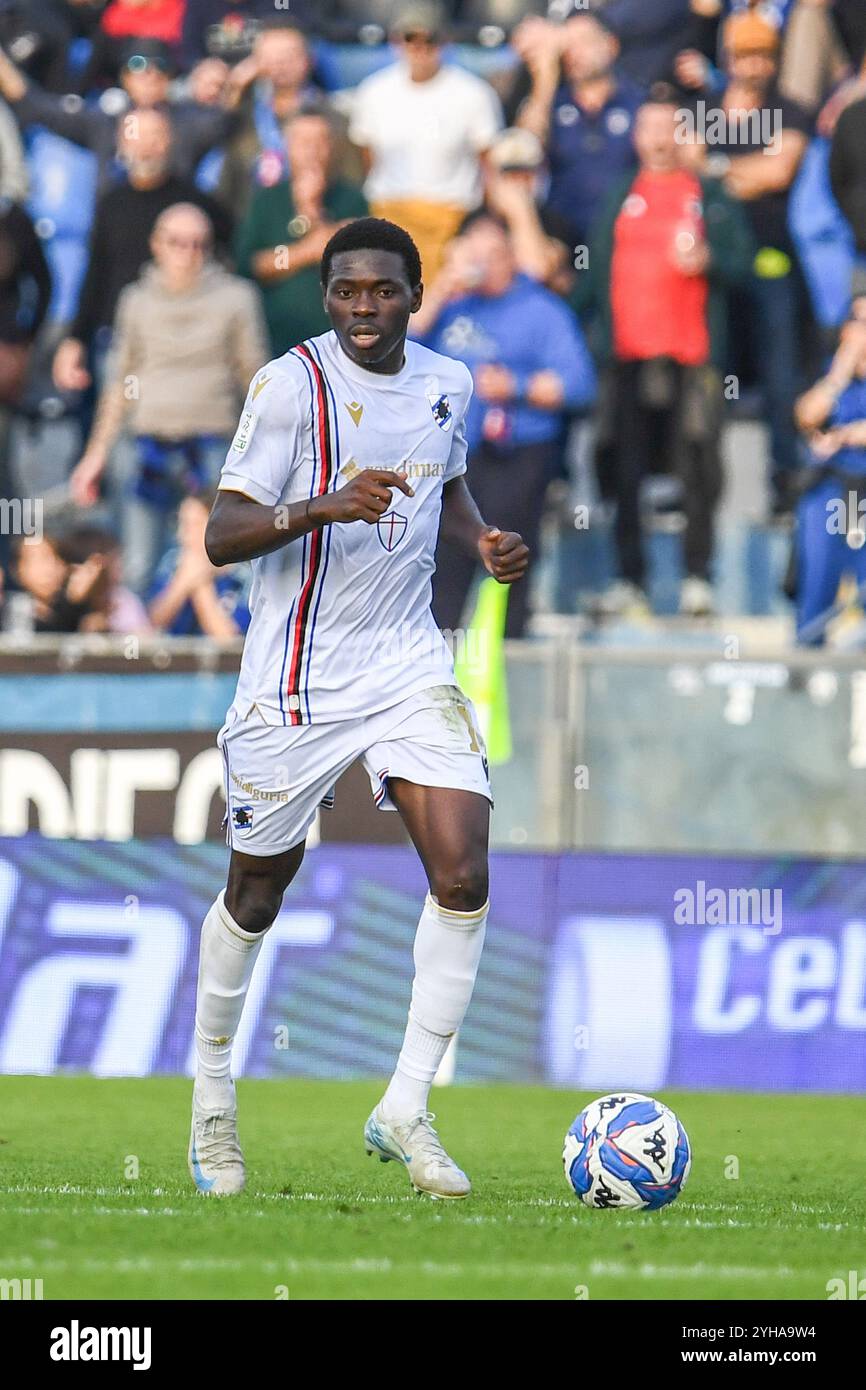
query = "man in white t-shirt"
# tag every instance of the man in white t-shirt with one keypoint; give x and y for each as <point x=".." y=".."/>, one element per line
<point x="350" y="451"/>
<point x="424" y="128"/>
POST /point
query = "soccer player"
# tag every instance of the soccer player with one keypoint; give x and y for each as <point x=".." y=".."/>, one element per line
<point x="350" y="449"/>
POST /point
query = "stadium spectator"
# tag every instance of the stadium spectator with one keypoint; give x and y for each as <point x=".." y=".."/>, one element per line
<point x="38" y="36"/>
<point x="530" y="365"/>
<point x="585" y="120"/>
<point x="830" y="531"/>
<point x="650" y="34"/>
<point x="120" y="239"/>
<point x="13" y="170"/>
<point x="814" y="58"/>
<point x="773" y="309"/>
<point x="25" y="292"/>
<point x="663" y="258"/>
<point x="823" y="237"/>
<point x="111" y="606"/>
<point x="207" y="83"/>
<point x="274" y="83"/>
<point x="145" y="77"/>
<point x="62" y="594"/>
<point x="131" y="22"/>
<point x="224" y="29"/>
<point x="287" y="228"/>
<point x="228" y="28"/>
<point x="424" y="128"/>
<point x="375" y="19"/>
<point x="540" y="236"/>
<point x="189" y="596"/>
<point x="849" y="18"/>
<point x="188" y="338"/>
<point x="848" y="167"/>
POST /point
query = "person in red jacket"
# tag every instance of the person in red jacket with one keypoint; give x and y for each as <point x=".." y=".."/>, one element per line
<point x="125" y="20"/>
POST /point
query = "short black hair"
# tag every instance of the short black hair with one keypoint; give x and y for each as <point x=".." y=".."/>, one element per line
<point x="374" y="234"/>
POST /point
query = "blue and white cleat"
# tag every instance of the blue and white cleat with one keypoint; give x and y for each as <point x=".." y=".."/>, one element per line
<point x="216" y="1162"/>
<point x="416" y="1144"/>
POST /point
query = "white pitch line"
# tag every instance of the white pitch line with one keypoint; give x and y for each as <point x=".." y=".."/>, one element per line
<point x="147" y="1264"/>
<point x="613" y="1270"/>
<point x="285" y="1267"/>
<point x="484" y="1219"/>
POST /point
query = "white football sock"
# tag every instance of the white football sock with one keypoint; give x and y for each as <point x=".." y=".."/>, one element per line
<point x="226" y="960"/>
<point x="448" y="948"/>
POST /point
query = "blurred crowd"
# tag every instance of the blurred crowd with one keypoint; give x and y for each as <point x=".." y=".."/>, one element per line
<point x="636" y="217"/>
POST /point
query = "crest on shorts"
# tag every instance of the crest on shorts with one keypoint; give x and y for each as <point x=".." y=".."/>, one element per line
<point x="391" y="529"/>
<point x="242" y="819"/>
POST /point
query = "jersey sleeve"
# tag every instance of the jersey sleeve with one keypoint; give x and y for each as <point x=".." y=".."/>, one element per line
<point x="460" y="447"/>
<point x="268" y="445"/>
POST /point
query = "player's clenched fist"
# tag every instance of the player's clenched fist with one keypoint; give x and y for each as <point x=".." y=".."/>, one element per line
<point x="365" y="498"/>
<point x="505" y="554"/>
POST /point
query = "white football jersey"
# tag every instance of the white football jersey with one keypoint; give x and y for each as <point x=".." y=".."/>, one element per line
<point x="341" y="621"/>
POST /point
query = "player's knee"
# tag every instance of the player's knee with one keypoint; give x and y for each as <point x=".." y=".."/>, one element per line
<point x="463" y="888"/>
<point x="254" y="904"/>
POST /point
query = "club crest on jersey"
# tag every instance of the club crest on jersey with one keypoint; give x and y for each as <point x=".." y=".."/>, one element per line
<point x="391" y="529"/>
<point x="441" y="407"/>
<point x="242" y="819"/>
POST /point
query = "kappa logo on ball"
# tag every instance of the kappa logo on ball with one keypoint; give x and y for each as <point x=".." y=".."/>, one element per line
<point x="391" y="529"/>
<point x="242" y="819"/>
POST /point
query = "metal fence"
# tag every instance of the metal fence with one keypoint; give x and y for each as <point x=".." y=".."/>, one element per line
<point x="656" y="749"/>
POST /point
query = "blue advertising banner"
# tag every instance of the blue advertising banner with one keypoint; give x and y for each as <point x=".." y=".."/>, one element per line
<point x="600" y="971"/>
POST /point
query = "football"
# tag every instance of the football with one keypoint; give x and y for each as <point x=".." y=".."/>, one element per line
<point x="626" y="1151"/>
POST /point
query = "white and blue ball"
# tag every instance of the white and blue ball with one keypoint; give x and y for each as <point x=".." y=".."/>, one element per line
<point x="626" y="1151"/>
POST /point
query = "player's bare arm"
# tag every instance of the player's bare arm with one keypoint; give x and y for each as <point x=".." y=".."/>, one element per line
<point x="240" y="528"/>
<point x="504" y="554"/>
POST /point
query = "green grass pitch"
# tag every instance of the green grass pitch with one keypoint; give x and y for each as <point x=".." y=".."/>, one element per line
<point x="320" y="1220"/>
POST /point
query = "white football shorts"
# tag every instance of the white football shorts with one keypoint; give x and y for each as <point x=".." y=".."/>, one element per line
<point x="277" y="777"/>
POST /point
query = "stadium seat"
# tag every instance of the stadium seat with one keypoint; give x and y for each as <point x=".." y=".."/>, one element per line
<point x="62" y="196"/>
<point x="67" y="258"/>
<point x="340" y="66"/>
<point x="62" y="183"/>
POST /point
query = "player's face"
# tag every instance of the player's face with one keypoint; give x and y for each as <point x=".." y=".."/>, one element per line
<point x="369" y="301"/>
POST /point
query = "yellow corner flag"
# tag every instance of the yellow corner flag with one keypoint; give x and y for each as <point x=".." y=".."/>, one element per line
<point x="480" y="669"/>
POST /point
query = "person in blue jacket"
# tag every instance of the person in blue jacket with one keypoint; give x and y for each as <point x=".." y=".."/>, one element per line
<point x="531" y="367"/>
<point x="189" y="597"/>
<point x="831" y="516"/>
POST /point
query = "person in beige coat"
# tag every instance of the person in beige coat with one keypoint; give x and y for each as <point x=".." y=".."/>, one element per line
<point x="188" y="338"/>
